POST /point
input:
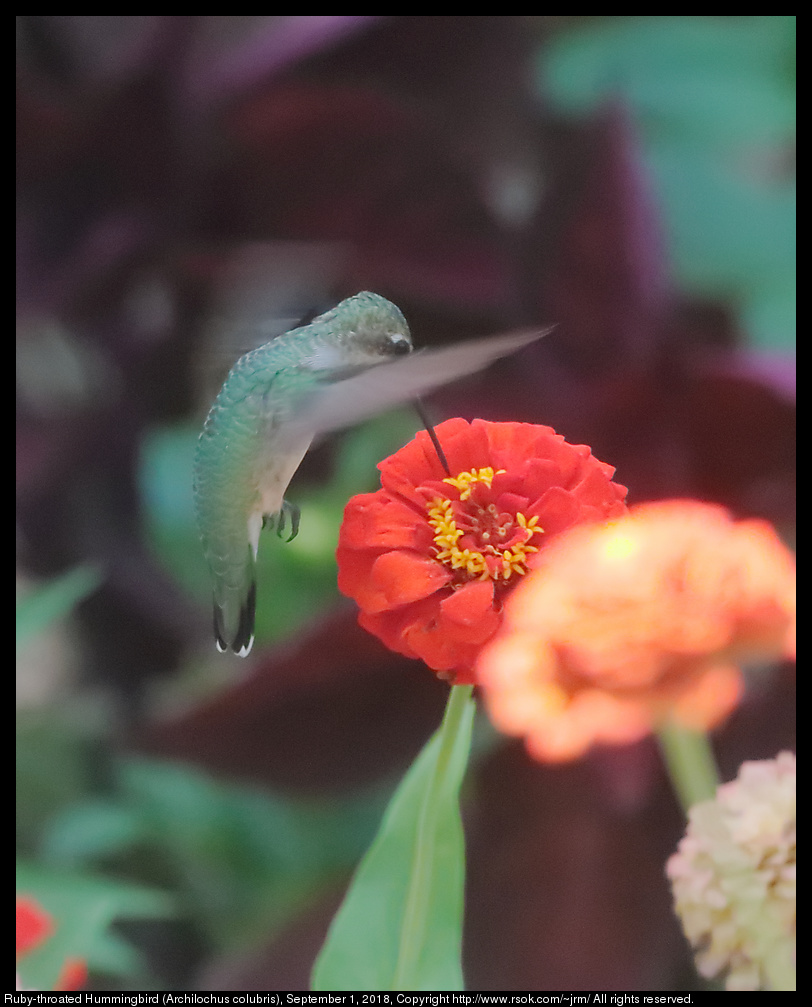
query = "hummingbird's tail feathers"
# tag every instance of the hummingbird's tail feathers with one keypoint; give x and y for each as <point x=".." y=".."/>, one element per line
<point x="234" y="616"/>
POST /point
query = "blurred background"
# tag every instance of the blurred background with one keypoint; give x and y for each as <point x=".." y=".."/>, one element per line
<point x="188" y="186"/>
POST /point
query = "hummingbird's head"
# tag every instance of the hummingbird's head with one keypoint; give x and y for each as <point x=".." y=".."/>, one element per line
<point x="371" y="330"/>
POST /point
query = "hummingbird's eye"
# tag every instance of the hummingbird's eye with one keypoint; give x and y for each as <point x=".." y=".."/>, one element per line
<point x="399" y="346"/>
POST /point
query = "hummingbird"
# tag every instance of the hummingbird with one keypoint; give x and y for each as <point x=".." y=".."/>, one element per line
<point x="346" y="365"/>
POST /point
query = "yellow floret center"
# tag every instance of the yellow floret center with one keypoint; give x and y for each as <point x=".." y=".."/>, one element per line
<point x="477" y="539"/>
<point x="465" y="480"/>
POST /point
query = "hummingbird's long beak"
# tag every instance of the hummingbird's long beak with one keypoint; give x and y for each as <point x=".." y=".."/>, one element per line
<point x="435" y="440"/>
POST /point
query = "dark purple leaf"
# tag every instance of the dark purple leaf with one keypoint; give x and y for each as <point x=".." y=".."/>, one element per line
<point x="230" y="55"/>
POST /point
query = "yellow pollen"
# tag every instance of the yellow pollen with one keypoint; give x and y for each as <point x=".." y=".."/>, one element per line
<point x="465" y="480"/>
<point x="503" y="563"/>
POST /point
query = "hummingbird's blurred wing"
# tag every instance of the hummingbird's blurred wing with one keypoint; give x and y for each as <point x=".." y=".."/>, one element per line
<point x="346" y="402"/>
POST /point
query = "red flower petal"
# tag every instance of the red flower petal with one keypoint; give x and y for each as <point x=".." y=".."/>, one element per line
<point x="413" y="465"/>
<point x="591" y="490"/>
<point x="398" y="578"/>
<point x="72" y="976"/>
<point x="511" y="441"/>
<point x="557" y="510"/>
<point x="468" y="613"/>
<point x="568" y="458"/>
<point x="34" y="925"/>
<point x="437" y="648"/>
<point x="465" y="445"/>
<point x="385" y="522"/>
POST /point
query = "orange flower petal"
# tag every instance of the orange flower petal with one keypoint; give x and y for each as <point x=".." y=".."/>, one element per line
<point x="591" y="716"/>
<point x="714" y="695"/>
<point x="622" y="624"/>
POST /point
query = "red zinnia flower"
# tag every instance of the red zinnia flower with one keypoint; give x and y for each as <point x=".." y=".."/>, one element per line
<point x="636" y="621"/>
<point x="430" y="556"/>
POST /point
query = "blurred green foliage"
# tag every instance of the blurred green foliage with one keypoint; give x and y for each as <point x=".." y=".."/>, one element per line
<point x="239" y="859"/>
<point x="43" y="606"/>
<point x="50" y="776"/>
<point x="713" y="98"/>
<point x="84" y="907"/>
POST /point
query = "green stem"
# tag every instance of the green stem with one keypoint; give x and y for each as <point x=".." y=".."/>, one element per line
<point x="415" y="912"/>
<point x="691" y="764"/>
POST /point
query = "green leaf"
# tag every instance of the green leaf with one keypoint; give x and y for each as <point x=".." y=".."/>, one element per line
<point x="400" y="925"/>
<point x="241" y="860"/>
<point x="729" y="233"/>
<point x="718" y="80"/>
<point x="91" y="830"/>
<point x="769" y="315"/>
<point x="361" y="449"/>
<point x="83" y="908"/>
<point x="38" y="610"/>
<point x="51" y="766"/>
<point x="245" y="859"/>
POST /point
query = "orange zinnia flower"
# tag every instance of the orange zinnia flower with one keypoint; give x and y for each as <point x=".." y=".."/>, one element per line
<point x="635" y="621"/>
<point x="34" y="926"/>
<point x="430" y="556"/>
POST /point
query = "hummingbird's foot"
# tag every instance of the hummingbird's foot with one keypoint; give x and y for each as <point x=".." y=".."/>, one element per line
<point x="292" y="512"/>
